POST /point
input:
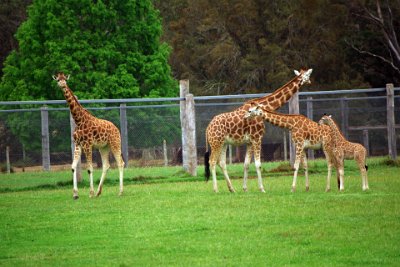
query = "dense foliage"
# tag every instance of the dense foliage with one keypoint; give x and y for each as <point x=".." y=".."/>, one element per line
<point x="111" y="48"/>
<point x="227" y="47"/>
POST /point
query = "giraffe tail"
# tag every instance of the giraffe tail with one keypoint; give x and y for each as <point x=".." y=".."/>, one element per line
<point x="206" y="162"/>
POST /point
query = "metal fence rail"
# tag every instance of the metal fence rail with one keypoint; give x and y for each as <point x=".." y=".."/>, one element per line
<point x="152" y="129"/>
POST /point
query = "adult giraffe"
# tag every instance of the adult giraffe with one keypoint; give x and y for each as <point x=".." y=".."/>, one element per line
<point x="233" y="128"/>
<point x="91" y="132"/>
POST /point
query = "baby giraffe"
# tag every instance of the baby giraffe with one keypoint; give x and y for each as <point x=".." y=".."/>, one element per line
<point x="305" y="134"/>
<point x="343" y="149"/>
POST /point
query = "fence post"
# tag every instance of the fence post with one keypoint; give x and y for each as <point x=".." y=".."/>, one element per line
<point x="310" y="115"/>
<point x="8" y="165"/>
<point x="165" y="152"/>
<point x="188" y="125"/>
<point x="124" y="133"/>
<point x="344" y="116"/>
<point x="284" y="146"/>
<point x="184" y="90"/>
<point x="391" y="122"/>
<point x="293" y="109"/>
<point x="366" y="140"/>
<point x="45" y="138"/>
<point x="79" y="166"/>
<point x="191" y="135"/>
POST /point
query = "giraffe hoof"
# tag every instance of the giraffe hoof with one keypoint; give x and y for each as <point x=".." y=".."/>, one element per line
<point x="307" y="188"/>
<point x="262" y="190"/>
<point x="232" y="190"/>
<point x="120" y="194"/>
<point x="327" y="190"/>
<point x="293" y="189"/>
<point x="75" y="197"/>
<point x="244" y="189"/>
<point x="91" y="194"/>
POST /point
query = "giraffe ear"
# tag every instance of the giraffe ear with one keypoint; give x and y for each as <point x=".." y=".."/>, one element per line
<point x="330" y="116"/>
<point x="54" y="77"/>
<point x="297" y="73"/>
<point x="68" y="77"/>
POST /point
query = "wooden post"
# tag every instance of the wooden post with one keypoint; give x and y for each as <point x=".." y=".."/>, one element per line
<point x="79" y="166"/>
<point x="191" y="135"/>
<point x="344" y="116"/>
<point x="284" y="146"/>
<point x="391" y="122"/>
<point x="366" y="140"/>
<point x="45" y="138"/>
<point x="124" y="133"/>
<point x="8" y="165"/>
<point x="293" y="109"/>
<point x="184" y="90"/>
<point x="23" y="158"/>
<point x="188" y="125"/>
<point x="165" y="153"/>
<point x="310" y="115"/>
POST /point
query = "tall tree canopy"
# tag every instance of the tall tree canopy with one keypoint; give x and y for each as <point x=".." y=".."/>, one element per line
<point x="112" y="48"/>
<point x="234" y="46"/>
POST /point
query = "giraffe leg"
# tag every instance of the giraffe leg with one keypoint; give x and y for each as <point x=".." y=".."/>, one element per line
<point x="222" y="164"/>
<point x="257" y="162"/>
<point x="305" y="166"/>
<point x="247" y="160"/>
<point x="328" y="178"/>
<point x="296" y="167"/>
<point x="77" y="156"/>
<point x="215" y="152"/>
<point x="104" y="153"/>
<point x="121" y="164"/>
<point x="88" y="153"/>
<point x="363" y="170"/>
<point x="341" y="177"/>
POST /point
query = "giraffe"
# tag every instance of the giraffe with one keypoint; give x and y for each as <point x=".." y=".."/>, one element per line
<point x="91" y="132"/>
<point x="232" y="128"/>
<point x="343" y="149"/>
<point x="305" y="134"/>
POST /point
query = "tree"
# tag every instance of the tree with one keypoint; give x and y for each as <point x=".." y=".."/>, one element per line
<point x="246" y="46"/>
<point x="12" y="13"/>
<point x="376" y="27"/>
<point x="111" y="48"/>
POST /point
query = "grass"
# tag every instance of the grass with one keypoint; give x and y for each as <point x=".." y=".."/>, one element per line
<point x="166" y="218"/>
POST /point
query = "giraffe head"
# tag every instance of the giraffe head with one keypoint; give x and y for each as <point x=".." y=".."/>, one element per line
<point x="305" y="76"/>
<point x="61" y="79"/>
<point x="255" y="110"/>
<point x="326" y="119"/>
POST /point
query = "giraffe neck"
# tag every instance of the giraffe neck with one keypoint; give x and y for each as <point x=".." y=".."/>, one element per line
<point x="337" y="134"/>
<point x="281" y="120"/>
<point x="280" y="96"/>
<point x="77" y="111"/>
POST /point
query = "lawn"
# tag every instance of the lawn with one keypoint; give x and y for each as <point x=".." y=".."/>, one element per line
<point x="167" y="218"/>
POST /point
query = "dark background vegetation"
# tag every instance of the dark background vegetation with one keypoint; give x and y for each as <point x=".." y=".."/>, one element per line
<point x="246" y="46"/>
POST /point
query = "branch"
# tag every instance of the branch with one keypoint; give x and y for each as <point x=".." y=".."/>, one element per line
<point x="377" y="56"/>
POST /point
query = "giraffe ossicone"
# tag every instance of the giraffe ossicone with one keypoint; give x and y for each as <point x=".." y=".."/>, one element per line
<point x="91" y="132"/>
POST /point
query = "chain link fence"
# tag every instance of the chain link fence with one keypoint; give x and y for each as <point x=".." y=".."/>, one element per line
<point x="154" y="128"/>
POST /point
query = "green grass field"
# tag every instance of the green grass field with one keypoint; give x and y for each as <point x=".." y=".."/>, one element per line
<point x="167" y="218"/>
